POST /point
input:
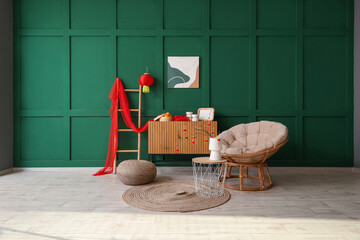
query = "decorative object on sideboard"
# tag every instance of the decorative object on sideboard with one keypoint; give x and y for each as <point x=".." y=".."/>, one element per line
<point x="189" y="115"/>
<point x="179" y="118"/>
<point x="183" y="72"/>
<point x="166" y="118"/>
<point x="158" y="117"/>
<point x="194" y="118"/>
<point x="206" y="114"/>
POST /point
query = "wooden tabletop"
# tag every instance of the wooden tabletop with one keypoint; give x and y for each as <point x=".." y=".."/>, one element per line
<point x="206" y="160"/>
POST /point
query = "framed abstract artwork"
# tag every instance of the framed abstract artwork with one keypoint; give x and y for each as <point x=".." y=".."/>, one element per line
<point x="183" y="72"/>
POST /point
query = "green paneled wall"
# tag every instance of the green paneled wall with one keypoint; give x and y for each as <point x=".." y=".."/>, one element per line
<point x="281" y="60"/>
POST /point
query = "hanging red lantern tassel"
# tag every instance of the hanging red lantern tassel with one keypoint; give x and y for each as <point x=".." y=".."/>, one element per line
<point x="146" y="80"/>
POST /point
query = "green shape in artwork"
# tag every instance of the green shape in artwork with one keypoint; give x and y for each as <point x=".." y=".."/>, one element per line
<point x="175" y="76"/>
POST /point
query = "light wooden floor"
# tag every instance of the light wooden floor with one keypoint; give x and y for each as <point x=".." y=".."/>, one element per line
<point x="317" y="203"/>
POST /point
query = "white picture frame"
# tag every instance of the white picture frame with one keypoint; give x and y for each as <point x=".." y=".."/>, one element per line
<point x="206" y="114"/>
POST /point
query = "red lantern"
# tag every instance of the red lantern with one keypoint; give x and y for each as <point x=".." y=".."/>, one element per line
<point x="146" y="80"/>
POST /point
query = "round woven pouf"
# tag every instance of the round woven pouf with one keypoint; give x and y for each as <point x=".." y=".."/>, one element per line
<point x="136" y="172"/>
<point x="171" y="196"/>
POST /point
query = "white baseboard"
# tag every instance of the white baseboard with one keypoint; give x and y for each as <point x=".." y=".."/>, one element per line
<point x="89" y="169"/>
<point x="163" y="170"/>
<point x="6" y="171"/>
<point x="57" y="169"/>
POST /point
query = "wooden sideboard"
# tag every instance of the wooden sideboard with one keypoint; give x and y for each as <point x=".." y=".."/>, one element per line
<point x="180" y="137"/>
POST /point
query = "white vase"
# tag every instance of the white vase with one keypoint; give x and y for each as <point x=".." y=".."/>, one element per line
<point x="215" y="148"/>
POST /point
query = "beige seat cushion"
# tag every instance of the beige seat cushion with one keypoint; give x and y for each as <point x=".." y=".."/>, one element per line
<point x="252" y="137"/>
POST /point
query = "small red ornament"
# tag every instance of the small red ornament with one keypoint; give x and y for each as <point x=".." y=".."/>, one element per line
<point x="146" y="80"/>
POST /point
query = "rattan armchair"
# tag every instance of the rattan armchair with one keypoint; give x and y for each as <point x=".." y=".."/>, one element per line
<point x="249" y="156"/>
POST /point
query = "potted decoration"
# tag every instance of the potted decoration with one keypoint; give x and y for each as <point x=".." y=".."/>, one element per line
<point x="215" y="148"/>
<point x="214" y="145"/>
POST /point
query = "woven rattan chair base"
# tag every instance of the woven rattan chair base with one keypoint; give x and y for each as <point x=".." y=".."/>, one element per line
<point x="264" y="183"/>
<point x="255" y="160"/>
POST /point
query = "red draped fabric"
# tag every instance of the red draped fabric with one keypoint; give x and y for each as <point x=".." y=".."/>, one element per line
<point x="118" y="93"/>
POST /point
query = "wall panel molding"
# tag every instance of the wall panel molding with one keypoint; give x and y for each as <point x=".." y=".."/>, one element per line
<point x="283" y="60"/>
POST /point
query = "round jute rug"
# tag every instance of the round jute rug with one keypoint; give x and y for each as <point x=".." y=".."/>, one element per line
<point x="171" y="196"/>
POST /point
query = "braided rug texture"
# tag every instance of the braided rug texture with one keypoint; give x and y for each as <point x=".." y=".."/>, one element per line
<point x="171" y="196"/>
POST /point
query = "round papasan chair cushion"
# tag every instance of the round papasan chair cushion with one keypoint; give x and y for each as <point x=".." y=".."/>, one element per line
<point x="252" y="137"/>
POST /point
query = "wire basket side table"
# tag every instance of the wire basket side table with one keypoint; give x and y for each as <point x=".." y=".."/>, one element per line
<point x="209" y="177"/>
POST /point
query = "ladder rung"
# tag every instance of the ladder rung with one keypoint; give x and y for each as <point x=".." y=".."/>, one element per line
<point x="132" y="90"/>
<point x="127" y="150"/>
<point x="125" y="130"/>
<point x="131" y="110"/>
